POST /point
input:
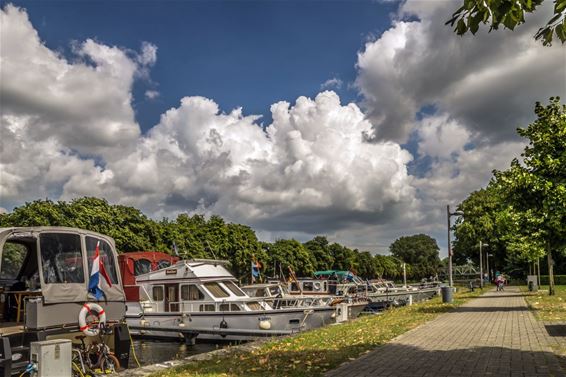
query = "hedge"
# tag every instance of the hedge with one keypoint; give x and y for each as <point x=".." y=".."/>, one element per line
<point x="558" y="279"/>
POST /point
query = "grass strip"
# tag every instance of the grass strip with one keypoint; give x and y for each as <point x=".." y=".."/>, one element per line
<point x="547" y="308"/>
<point x="314" y="352"/>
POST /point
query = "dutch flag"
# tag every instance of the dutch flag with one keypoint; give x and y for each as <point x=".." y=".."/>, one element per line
<point x="94" y="284"/>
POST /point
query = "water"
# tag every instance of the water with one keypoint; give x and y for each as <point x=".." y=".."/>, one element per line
<point x="152" y="352"/>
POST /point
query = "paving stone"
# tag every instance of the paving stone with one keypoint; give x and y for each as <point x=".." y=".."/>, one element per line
<point x="493" y="335"/>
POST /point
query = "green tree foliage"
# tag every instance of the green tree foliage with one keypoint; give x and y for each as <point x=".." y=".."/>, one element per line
<point x="344" y="258"/>
<point x="290" y="253"/>
<point x="535" y="191"/>
<point x="509" y="14"/>
<point x="387" y="267"/>
<point x="129" y="227"/>
<point x="420" y="251"/>
<point x="319" y="248"/>
<point x="480" y="223"/>
<point x="198" y="237"/>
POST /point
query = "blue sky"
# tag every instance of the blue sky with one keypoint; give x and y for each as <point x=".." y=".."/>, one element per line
<point x="430" y="116"/>
<point x="246" y="54"/>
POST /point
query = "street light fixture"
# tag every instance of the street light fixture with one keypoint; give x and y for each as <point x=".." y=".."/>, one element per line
<point x="487" y="255"/>
<point x="450" y="254"/>
<point x="448" y="215"/>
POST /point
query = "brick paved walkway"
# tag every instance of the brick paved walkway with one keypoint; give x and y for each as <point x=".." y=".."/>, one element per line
<point x="493" y="335"/>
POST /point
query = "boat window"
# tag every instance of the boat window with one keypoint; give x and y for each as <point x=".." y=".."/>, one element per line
<point x="106" y="256"/>
<point x="206" y="308"/>
<point x="229" y="307"/>
<point x="234" y="288"/>
<point x="142" y="266"/>
<point x="254" y="305"/>
<point x="61" y="258"/>
<point x="191" y="293"/>
<point x="216" y="290"/>
<point x="157" y="293"/>
<point x="164" y="263"/>
<point x="308" y="286"/>
<point x="260" y="292"/>
<point x="294" y="287"/>
<point x="275" y="291"/>
<point x="13" y="256"/>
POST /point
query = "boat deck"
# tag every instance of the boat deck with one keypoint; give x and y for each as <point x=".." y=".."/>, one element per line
<point x="10" y="328"/>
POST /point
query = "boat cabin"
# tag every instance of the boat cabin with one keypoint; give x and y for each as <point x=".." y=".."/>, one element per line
<point x="44" y="277"/>
<point x="267" y="290"/>
<point x="137" y="263"/>
<point x="331" y="282"/>
<point x="194" y="286"/>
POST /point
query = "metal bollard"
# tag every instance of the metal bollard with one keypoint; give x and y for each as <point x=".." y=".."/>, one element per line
<point x="447" y="294"/>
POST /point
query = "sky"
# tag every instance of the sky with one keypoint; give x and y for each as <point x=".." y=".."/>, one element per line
<point x="358" y="120"/>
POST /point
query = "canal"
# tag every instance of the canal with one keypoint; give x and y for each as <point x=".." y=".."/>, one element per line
<point x="153" y="352"/>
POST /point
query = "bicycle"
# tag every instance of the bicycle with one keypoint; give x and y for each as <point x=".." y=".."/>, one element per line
<point x="94" y="359"/>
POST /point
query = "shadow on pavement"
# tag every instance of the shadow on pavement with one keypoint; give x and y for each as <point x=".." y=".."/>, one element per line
<point x="395" y="360"/>
<point x="475" y="309"/>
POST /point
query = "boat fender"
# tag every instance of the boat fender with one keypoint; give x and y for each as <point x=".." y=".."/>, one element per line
<point x="336" y="301"/>
<point x="91" y="329"/>
<point x="265" y="324"/>
<point x="223" y="324"/>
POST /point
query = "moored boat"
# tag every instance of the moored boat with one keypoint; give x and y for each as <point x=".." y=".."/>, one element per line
<point x="200" y="298"/>
<point x="277" y="294"/>
<point x="46" y="278"/>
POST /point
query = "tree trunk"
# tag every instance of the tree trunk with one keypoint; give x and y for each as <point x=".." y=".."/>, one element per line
<point x="551" y="291"/>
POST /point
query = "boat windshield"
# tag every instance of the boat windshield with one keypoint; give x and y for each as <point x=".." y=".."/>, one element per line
<point x="13" y="256"/>
<point x="105" y="252"/>
<point x="234" y="288"/>
<point x="61" y="258"/>
<point x="164" y="263"/>
<point x="216" y="290"/>
<point x="142" y="266"/>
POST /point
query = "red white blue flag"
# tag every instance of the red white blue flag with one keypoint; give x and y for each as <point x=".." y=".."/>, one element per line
<point x="94" y="284"/>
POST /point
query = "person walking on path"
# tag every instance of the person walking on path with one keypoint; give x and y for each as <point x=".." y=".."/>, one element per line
<point x="500" y="282"/>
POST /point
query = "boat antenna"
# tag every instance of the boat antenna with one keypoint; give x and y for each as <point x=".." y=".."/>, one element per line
<point x="212" y="251"/>
<point x="282" y="278"/>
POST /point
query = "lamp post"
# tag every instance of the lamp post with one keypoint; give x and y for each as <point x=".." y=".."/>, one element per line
<point x="448" y="215"/>
<point x="481" y="263"/>
<point x="487" y="255"/>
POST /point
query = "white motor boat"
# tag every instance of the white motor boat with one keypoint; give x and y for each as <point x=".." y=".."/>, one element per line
<point x="278" y="295"/>
<point x="200" y="298"/>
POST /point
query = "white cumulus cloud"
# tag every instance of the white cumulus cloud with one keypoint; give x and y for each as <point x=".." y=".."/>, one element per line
<point x="489" y="82"/>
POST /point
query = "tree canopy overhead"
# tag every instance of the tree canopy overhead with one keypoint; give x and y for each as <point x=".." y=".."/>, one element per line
<point x="509" y="14"/>
<point x="522" y="212"/>
<point x="534" y="191"/>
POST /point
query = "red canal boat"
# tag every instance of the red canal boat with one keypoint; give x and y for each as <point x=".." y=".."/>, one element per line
<point x="137" y="263"/>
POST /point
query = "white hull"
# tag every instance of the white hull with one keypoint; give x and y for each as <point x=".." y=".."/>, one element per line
<point x="245" y="325"/>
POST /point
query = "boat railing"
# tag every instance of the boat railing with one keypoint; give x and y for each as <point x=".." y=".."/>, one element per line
<point x="206" y="306"/>
<point x="297" y="302"/>
<point x="254" y="304"/>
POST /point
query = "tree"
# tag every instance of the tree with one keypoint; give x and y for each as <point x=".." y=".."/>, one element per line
<point x="386" y="266"/>
<point x="535" y="191"/>
<point x="289" y="253"/>
<point x="366" y="268"/>
<point x="480" y="223"/>
<point x="509" y="13"/>
<point x="319" y="248"/>
<point x="420" y="251"/>
<point x="344" y="258"/>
